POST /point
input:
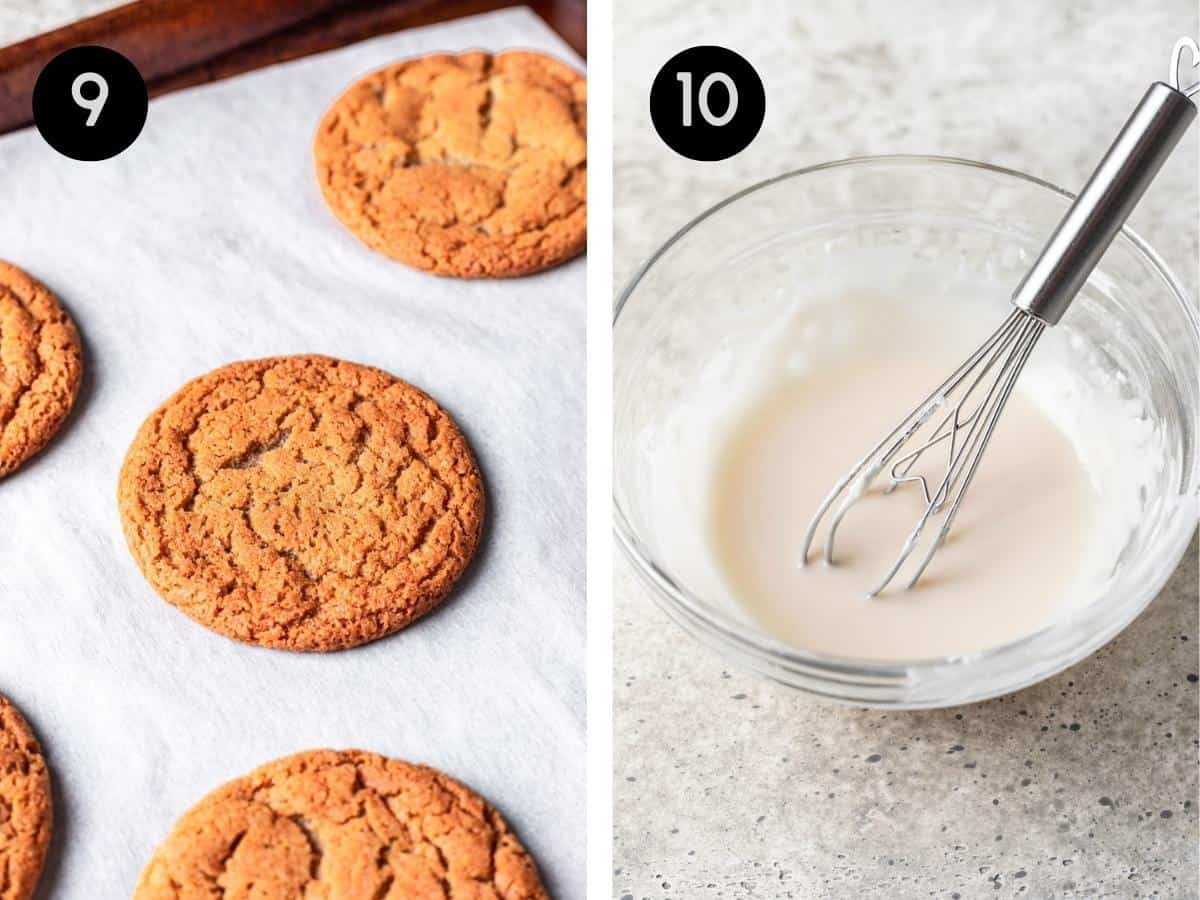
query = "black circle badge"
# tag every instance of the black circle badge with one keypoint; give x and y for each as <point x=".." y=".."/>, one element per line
<point x="707" y="103"/>
<point x="90" y="103"/>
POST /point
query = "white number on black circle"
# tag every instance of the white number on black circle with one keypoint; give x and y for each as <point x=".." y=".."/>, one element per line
<point x="685" y="78"/>
<point x="94" y="104"/>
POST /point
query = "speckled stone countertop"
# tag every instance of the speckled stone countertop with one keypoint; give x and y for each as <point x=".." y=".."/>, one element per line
<point x="731" y="786"/>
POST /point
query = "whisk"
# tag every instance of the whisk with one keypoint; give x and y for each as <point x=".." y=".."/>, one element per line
<point x="958" y="417"/>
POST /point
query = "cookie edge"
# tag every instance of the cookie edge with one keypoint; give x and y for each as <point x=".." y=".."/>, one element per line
<point x="575" y="250"/>
<point x="10" y="272"/>
<point x="41" y="846"/>
<point x="229" y="789"/>
<point x="126" y="492"/>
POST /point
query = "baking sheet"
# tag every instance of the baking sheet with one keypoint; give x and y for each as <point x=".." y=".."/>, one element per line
<point x="208" y="242"/>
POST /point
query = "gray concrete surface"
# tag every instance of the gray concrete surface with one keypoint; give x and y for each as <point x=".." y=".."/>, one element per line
<point x="1083" y="786"/>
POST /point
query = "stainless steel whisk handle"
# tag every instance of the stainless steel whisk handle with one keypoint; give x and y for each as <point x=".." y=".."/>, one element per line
<point x="1106" y="201"/>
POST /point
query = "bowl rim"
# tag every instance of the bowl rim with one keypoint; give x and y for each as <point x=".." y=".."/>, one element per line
<point x="729" y="630"/>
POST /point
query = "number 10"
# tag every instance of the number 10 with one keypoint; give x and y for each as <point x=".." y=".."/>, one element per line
<point x="685" y="78"/>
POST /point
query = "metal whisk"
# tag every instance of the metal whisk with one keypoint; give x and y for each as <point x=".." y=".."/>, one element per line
<point x="958" y="417"/>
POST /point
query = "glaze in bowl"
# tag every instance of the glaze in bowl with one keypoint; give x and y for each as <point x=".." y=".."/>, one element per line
<point x="944" y="219"/>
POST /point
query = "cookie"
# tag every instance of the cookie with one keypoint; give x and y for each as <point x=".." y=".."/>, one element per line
<point x="26" y="812"/>
<point x="301" y="502"/>
<point x="472" y="165"/>
<point x="341" y="824"/>
<point x="40" y="366"/>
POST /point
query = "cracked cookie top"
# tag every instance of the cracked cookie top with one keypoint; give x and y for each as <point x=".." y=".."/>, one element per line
<point x="25" y="806"/>
<point x="472" y="165"/>
<point x="40" y="366"/>
<point x="341" y="824"/>
<point x="301" y="502"/>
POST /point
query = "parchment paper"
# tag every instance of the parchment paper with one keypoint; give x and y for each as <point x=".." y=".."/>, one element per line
<point x="208" y="242"/>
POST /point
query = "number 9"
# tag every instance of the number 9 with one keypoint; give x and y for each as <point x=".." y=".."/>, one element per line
<point x="94" y="105"/>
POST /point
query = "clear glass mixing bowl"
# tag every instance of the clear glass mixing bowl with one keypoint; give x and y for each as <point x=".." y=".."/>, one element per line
<point x="936" y="213"/>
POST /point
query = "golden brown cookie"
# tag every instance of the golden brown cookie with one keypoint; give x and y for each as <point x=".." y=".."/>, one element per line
<point x="340" y="825"/>
<point x="472" y="165"/>
<point x="301" y="502"/>
<point x="40" y="366"/>
<point x="26" y="812"/>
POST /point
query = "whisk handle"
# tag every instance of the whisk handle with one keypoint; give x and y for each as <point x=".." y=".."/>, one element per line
<point x="1105" y="202"/>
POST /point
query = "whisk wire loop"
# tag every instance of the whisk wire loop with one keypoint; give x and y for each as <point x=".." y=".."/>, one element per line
<point x="1033" y="331"/>
<point x="964" y="430"/>
<point x="955" y="418"/>
<point x="856" y="482"/>
<point x="979" y="425"/>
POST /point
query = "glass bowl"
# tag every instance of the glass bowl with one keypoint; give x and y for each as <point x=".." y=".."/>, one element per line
<point x="956" y="221"/>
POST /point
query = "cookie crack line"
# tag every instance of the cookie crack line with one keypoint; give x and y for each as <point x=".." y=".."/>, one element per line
<point x="314" y="843"/>
<point x="255" y="452"/>
<point x="253" y="455"/>
<point x="485" y="121"/>
<point x="218" y="878"/>
<point x="23" y="387"/>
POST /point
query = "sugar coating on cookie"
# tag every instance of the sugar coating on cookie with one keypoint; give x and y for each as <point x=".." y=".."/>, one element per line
<point x="472" y="165"/>
<point x="40" y="366"/>
<point x="26" y="811"/>
<point x="341" y="824"/>
<point x="301" y="502"/>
